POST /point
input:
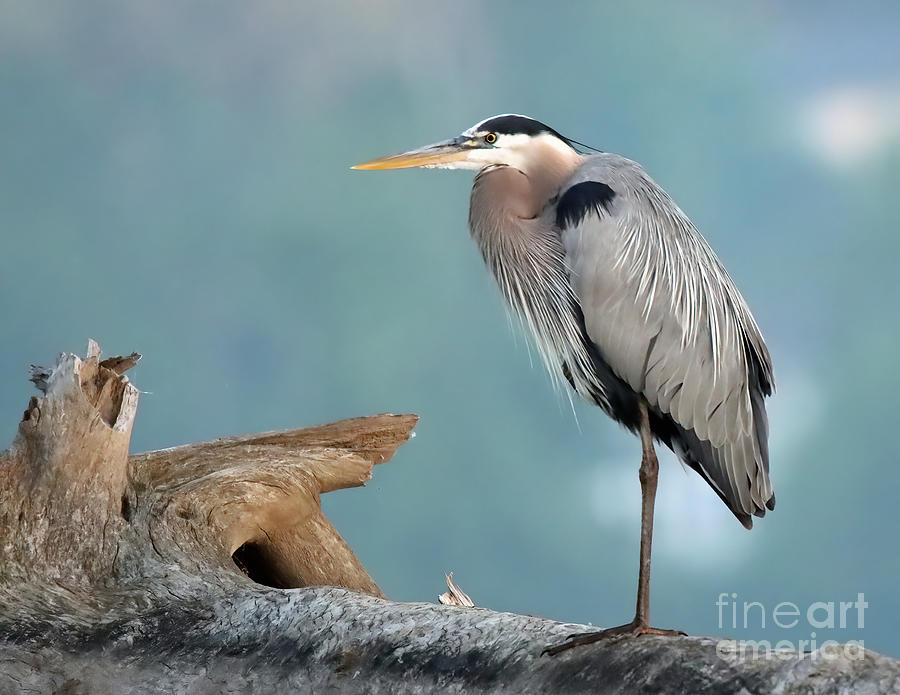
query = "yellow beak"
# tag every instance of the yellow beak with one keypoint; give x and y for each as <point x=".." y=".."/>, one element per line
<point x="436" y="155"/>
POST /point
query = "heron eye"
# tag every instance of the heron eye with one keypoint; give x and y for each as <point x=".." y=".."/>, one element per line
<point x="490" y="138"/>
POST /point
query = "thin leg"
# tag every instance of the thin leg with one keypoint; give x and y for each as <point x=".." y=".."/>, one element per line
<point x="648" y="474"/>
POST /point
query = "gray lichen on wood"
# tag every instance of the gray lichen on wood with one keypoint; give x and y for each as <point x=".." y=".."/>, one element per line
<point x="200" y="569"/>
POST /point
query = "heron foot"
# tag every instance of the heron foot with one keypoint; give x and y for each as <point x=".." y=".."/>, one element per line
<point x="633" y="629"/>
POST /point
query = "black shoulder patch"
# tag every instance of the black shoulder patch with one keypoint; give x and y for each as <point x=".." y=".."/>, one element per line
<point x="517" y="125"/>
<point x="580" y="199"/>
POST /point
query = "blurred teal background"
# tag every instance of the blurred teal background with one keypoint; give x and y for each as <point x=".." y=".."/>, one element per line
<point x="174" y="180"/>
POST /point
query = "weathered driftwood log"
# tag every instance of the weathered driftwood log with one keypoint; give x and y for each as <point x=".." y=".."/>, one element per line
<point x="183" y="570"/>
<point x="76" y="510"/>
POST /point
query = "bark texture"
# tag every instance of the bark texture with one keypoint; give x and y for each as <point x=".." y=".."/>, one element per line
<point x="203" y="569"/>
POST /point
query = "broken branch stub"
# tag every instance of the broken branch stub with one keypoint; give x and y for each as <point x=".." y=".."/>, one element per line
<point x="63" y="478"/>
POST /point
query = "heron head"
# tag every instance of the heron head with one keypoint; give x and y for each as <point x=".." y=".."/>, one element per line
<point x="507" y="140"/>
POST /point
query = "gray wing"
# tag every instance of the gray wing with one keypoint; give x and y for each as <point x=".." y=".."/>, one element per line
<point x="667" y="319"/>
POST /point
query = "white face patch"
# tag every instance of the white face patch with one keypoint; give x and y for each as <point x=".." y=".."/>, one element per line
<point x="520" y="151"/>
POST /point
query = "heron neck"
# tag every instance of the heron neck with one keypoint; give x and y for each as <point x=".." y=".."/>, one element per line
<point x="503" y="195"/>
<point x="523" y="191"/>
<point x="557" y="164"/>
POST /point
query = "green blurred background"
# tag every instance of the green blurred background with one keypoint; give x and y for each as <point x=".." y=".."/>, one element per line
<point x="174" y="180"/>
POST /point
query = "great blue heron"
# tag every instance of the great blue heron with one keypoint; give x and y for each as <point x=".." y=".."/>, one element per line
<point x="627" y="301"/>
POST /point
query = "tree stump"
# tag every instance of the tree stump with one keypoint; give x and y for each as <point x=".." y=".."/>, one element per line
<point x="211" y="568"/>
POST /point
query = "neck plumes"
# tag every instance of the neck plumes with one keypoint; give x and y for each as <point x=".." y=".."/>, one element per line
<point x="512" y="221"/>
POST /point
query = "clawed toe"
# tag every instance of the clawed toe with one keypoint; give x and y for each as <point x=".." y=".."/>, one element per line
<point x="632" y="629"/>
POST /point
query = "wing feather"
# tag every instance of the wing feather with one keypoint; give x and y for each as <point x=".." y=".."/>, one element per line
<point x="668" y="321"/>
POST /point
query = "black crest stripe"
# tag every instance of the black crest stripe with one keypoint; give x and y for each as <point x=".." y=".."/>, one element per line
<point x="517" y="125"/>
